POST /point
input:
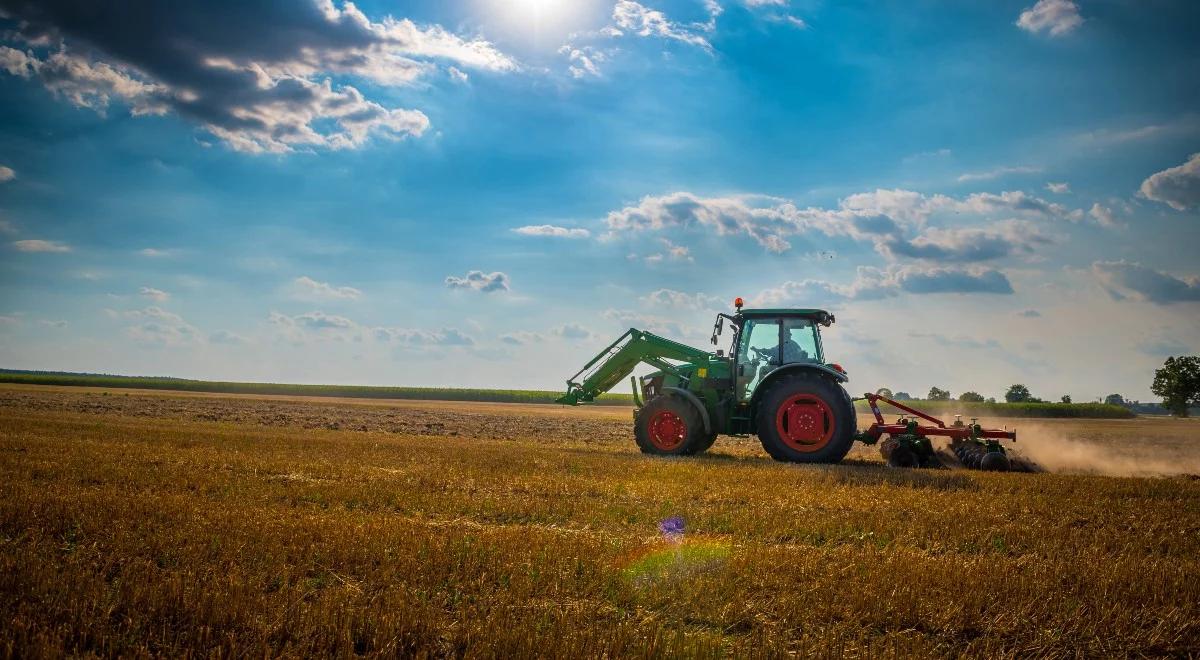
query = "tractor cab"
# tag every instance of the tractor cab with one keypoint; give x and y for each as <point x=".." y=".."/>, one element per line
<point x="765" y="340"/>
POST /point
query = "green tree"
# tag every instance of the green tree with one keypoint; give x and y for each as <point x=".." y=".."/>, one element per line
<point x="885" y="392"/>
<point x="1114" y="400"/>
<point x="1066" y="398"/>
<point x="938" y="394"/>
<point x="971" y="397"/>
<point x="903" y="396"/>
<point x="1017" y="394"/>
<point x="1178" y="383"/>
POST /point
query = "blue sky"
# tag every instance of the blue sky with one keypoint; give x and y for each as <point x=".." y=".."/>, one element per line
<point x="484" y="193"/>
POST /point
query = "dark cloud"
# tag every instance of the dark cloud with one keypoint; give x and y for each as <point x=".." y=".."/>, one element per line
<point x="970" y="245"/>
<point x="477" y="280"/>
<point x="946" y="280"/>
<point x="321" y="320"/>
<point x="411" y="337"/>
<point x="572" y="331"/>
<point x="1121" y="278"/>
<point x="957" y="342"/>
<point x="254" y="73"/>
<point x="875" y="284"/>
<point x="1164" y="348"/>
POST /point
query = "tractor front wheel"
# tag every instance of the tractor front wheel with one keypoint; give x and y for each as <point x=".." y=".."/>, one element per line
<point x="670" y="426"/>
<point x="805" y="418"/>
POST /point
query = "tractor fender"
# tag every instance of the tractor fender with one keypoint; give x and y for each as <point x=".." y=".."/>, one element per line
<point x="823" y="370"/>
<point x="695" y="401"/>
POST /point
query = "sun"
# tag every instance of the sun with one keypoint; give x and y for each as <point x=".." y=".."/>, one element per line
<point x="539" y="18"/>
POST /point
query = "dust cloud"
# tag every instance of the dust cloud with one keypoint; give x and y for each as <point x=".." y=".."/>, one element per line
<point x="1055" y="451"/>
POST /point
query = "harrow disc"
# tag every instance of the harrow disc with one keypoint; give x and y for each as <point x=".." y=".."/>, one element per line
<point x="994" y="461"/>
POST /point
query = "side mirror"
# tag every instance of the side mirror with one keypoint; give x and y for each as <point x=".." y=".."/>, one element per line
<point x="718" y="327"/>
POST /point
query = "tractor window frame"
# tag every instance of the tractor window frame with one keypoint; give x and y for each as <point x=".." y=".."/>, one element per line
<point x="813" y="328"/>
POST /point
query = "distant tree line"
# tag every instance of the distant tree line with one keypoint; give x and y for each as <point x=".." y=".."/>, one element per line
<point x="1177" y="382"/>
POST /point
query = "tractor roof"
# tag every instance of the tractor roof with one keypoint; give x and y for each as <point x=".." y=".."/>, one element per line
<point x="785" y="312"/>
<point x="816" y="315"/>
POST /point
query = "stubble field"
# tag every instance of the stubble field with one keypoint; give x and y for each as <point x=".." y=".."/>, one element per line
<point x="136" y="523"/>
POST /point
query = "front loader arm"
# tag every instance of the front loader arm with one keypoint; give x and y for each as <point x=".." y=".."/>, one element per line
<point x="620" y="358"/>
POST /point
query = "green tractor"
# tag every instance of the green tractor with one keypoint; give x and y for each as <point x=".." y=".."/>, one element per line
<point x="773" y="382"/>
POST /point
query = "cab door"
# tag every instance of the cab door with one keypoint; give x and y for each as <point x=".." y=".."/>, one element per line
<point x="753" y="364"/>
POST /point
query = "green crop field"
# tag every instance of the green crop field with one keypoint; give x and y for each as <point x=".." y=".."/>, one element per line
<point x="167" y="524"/>
<point x="973" y="409"/>
<point x="1066" y="410"/>
<point x="353" y="391"/>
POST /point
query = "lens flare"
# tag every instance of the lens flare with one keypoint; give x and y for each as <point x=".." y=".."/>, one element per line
<point x="674" y="557"/>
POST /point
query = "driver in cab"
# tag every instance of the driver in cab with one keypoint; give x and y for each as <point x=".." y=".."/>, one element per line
<point x="791" y="351"/>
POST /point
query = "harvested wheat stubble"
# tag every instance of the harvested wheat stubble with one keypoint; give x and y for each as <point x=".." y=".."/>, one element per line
<point x="137" y="527"/>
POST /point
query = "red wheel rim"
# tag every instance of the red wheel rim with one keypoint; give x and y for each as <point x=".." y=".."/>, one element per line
<point x="805" y="422"/>
<point x="667" y="430"/>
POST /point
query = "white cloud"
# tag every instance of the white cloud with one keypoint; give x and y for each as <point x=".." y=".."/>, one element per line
<point x="553" y="231"/>
<point x="157" y="295"/>
<point x="411" y="337"/>
<point x="7" y="174"/>
<point x="1177" y="187"/>
<point x="311" y="288"/>
<point x="159" y="328"/>
<point x="1058" y="188"/>
<point x="457" y="75"/>
<point x="672" y="299"/>
<point x="477" y="280"/>
<point x="36" y="245"/>
<point x="1057" y="17"/>
<point x="1178" y="127"/>
<point x="53" y="324"/>
<point x="997" y="173"/>
<point x="1103" y="215"/>
<point x="157" y="253"/>
<point x="323" y="321"/>
<point x="889" y="218"/>
<point x="672" y="252"/>
<point x="635" y="18"/>
<point x="7" y="227"/>
<point x="584" y="60"/>
<point x="522" y="337"/>
<point x="227" y="337"/>
<point x="666" y="327"/>
<point x="676" y="252"/>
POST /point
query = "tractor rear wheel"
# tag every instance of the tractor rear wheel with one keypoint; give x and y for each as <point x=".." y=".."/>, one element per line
<point x="707" y="443"/>
<point x="806" y="418"/>
<point x="669" y="426"/>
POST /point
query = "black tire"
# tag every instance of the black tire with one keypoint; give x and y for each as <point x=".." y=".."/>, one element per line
<point x="707" y="443"/>
<point x="691" y="437"/>
<point x="903" y="457"/>
<point x="832" y="414"/>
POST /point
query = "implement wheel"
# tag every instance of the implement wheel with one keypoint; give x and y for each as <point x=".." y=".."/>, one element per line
<point x="670" y="426"/>
<point x="806" y="418"/>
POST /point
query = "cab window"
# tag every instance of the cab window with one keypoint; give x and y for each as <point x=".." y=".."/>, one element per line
<point x="800" y="342"/>
<point x="757" y="354"/>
